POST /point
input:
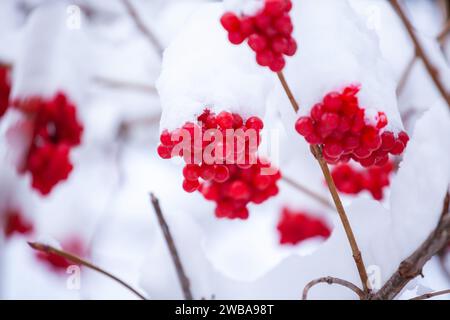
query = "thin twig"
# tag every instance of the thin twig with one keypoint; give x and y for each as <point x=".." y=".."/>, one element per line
<point x="317" y="152"/>
<point x="288" y="91"/>
<point x="412" y="266"/>
<point x="330" y="281"/>
<point x="431" y="295"/>
<point x="184" y="280"/>
<point x="149" y="35"/>
<point x="443" y="34"/>
<point x="113" y="83"/>
<point x="77" y="260"/>
<point x="432" y="70"/>
<point x="307" y="191"/>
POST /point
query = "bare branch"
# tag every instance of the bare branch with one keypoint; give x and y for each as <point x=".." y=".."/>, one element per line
<point x="432" y="70"/>
<point x="330" y="281"/>
<point x="149" y="35"/>
<point x="307" y="191"/>
<point x="77" y="260"/>
<point x="431" y="295"/>
<point x="288" y="91"/>
<point x="413" y="265"/>
<point x="184" y="280"/>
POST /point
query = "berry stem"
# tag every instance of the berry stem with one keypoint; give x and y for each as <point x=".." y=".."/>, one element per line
<point x="431" y="295"/>
<point x="432" y="70"/>
<point x="317" y="152"/>
<point x="77" y="260"/>
<point x="307" y="191"/>
<point x="288" y="91"/>
<point x="184" y="280"/>
<point x="330" y="281"/>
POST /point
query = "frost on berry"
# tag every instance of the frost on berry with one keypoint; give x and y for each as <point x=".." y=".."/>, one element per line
<point x="268" y="32"/>
<point x="5" y="89"/>
<point x="221" y="158"/>
<point x="338" y="123"/>
<point x="56" y="130"/>
<point x="16" y="223"/>
<point x="352" y="181"/>
<point x="295" y="227"/>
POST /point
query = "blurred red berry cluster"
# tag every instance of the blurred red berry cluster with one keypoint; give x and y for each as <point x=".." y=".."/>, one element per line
<point x="297" y="226"/>
<point x="5" y="89"/>
<point x="338" y="124"/>
<point x="269" y="33"/>
<point x="56" y="130"/>
<point x="16" y="223"/>
<point x="57" y="263"/>
<point x="352" y="181"/>
<point x="233" y="177"/>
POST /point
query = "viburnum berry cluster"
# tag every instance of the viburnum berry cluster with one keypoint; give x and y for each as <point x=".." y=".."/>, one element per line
<point x="269" y="33"/>
<point x="233" y="177"/>
<point x="352" y="181"/>
<point x="16" y="223"/>
<point x="297" y="226"/>
<point x="5" y="89"/>
<point x="56" y="130"/>
<point x="338" y="124"/>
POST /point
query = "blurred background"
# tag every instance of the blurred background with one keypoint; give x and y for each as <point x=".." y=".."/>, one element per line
<point x="108" y="61"/>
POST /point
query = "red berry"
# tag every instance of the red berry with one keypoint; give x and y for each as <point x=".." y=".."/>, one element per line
<point x="279" y="44"/>
<point x="403" y="136"/>
<point x="398" y="148"/>
<point x="304" y="126"/>
<point x="164" y="151"/>
<point x="277" y="63"/>
<point x="265" y="58"/>
<point x="387" y="140"/>
<point x="239" y="190"/>
<point x="230" y="22"/>
<point x="291" y="47"/>
<point x="254" y="123"/>
<point x="274" y="8"/>
<point x="191" y="172"/>
<point x="166" y="138"/>
<point x="257" y="42"/>
<point x="284" y="25"/>
<point x="332" y="102"/>
<point x="236" y="37"/>
<point x="225" y="120"/>
<point x="190" y="186"/>
<point x="329" y="122"/>
<point x="207" y="172"/>
<point x="221" y="173"/>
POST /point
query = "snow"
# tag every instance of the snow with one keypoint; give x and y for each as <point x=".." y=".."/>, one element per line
<point x="244" y="7"/>
<point x="209" y="73"/>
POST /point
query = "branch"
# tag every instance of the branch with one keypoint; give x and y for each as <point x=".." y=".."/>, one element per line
<point x="413" y="265"/>
<point x="77" y="260"/>
<point x="149" y="35"/>
<point x="317" y="152"/>
<point x="307" y="191"/>
<point x="330" y="281"/>
<point x="431" y="295"/>
<point x="184" y="280"/>
<point x="432" y="70"/>
<point x="444" y="33"/>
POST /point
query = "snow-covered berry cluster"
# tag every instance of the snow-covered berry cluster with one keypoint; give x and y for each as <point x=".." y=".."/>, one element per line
<point x="56" y="130"/>
<point x="268" y="33"/>
<point x="295" y="227"/>
<point x="338" y="124"/>
<point x="5" y="89"/>
<point x="16" y="223"/>
<point x="352" y="181"/>
<point x="222" y="162"/>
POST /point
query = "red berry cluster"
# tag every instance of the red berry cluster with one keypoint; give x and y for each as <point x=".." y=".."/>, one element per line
<point x="233" y="179"/>
<point x="351" y="181"/>
<point x="338" y="124"/>
<point x="56" y="130"/>
<point x="16" y="223"/>
<point x="269" y="33"/>
<point x="57" y="263"/>
<point x="295" y="227"/>
<point x="5" y="89"/>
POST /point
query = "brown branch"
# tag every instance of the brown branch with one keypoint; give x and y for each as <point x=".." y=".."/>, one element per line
<point x="115" y="84"/>
<point x="184" y="280"/>
<point x="77" y="260"/>
<point x="432" y="70"/>
<point x="307" y="191"/>
<point x="412" y="266"/>
<point x="442" y="263"/>
<point x="330" y="281"/>
<point x="149" y="35"/>
<point x="288" y="91"/>
<point x="431" y="295"/>
<point x="444" y="33"/>
<point x="317" y="152"/>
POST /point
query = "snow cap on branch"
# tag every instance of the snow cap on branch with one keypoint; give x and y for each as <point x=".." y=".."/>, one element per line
<point x="244" y="7"/>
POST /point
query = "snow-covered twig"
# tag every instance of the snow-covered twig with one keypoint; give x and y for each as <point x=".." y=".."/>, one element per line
<point x="431" y="295"/>
<point x="412" y="266"/>
<point x="432" y="70"/>
<point x="72" y="258"/>
<point x="330" y="281"/>
<point x="149" y="35"/>
<point x="307" y="191"/>
<point x="184" y="280"/>
<point x="113" y="83"/>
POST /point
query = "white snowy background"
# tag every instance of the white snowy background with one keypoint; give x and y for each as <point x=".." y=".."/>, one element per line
<point x="106" y="199"/>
